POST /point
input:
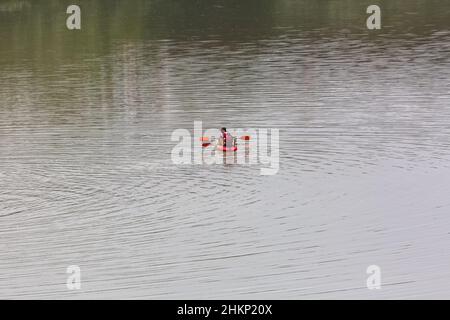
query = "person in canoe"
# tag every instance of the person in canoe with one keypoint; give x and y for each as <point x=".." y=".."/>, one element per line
<point x="226" y="141"/>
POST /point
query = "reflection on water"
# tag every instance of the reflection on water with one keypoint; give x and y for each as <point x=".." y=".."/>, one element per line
<point x="86" y="176"/>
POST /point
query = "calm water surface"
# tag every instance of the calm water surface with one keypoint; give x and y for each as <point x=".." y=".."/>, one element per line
<point x="86" y="176"/>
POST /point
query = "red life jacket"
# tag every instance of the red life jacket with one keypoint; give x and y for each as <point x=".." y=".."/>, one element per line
<point x="227" y="139"/>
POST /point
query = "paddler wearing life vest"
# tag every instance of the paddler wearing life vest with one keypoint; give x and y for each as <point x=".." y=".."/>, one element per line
<point x="226" y="139"/>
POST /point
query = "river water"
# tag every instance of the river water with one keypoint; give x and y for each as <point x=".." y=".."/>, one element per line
<point x="86" y="176"/>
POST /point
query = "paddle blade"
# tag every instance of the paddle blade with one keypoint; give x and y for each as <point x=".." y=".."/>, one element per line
<point x="246" y="138"/>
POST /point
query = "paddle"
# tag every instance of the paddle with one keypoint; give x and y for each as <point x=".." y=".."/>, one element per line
<point x="206" y="139"/>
